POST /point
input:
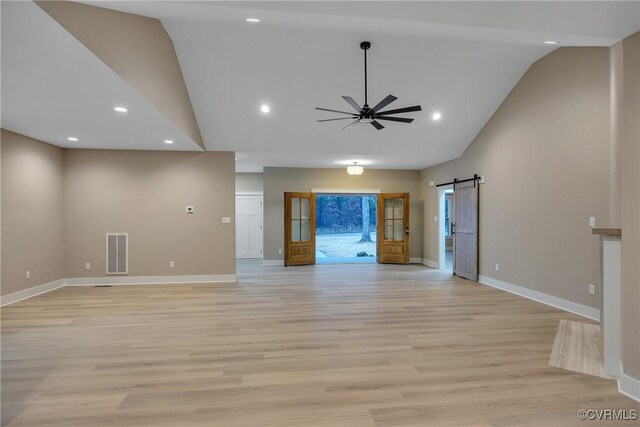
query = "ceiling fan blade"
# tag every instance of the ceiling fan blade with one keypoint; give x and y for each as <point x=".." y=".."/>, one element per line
<point x="350" y="124"/>
<point x="339" y="118"/>
<point x="395" y="119"/>
<point x="353" y="103"/>
<point x="334" y="111"/>
<point x="400" y="110"/>
<point x="377" y="125"/>
<point x="388" y="100"/>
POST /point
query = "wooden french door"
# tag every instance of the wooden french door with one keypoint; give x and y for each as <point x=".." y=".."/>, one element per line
<point x="465" y="230"/>
<point x="393" y="228"/>
<point x="299" y="229"/>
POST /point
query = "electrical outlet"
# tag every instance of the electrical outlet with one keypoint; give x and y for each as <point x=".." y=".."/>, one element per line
<point x="435" y="218"/>
<point x="431" y="183"/>
<point x="172" y="264"/>
<point x="28" y="275"/>
<point x="190" y="209"/>
<point x="497" y="267"/>
<point x="87" y="266"/>
<point x="280" y="251"/>
<point x="592" y="221"/>
<point x="592" y="289"/>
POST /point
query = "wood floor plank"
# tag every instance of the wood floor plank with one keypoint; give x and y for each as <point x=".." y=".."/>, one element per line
<point x="329" y="345"/>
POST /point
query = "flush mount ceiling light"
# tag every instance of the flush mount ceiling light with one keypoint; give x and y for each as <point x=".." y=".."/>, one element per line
<point x="436" y="116"/>
<point x="168" y="141"/>
<point x="265" y="108"/>
<point x="73" y="138"/>
<point x="355" y="169"/>
<point x="120" y="109"/>
<point x="551" y="42"/>
<point x="252" y="20"/>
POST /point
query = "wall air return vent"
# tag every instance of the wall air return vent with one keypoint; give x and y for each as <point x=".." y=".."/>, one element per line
<point x="117" y="253"/>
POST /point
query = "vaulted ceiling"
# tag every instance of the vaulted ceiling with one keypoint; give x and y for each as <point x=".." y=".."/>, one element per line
<point x="457" y="58"/>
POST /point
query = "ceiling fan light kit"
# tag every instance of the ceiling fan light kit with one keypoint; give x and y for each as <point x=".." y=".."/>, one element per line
<point x="365" y="114"/>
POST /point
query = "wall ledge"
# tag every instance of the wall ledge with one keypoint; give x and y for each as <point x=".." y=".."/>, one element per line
<point x="563" y="304"/>
<point x="121" y="280"/>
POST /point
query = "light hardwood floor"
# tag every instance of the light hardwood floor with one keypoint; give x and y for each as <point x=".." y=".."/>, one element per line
<point x="350" y="345"/>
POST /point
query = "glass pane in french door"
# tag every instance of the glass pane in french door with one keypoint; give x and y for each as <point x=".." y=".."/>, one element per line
<point x="295" y="208"/>
<point x="295" y="230"/>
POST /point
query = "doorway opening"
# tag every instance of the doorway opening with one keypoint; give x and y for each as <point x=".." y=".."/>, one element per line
<point x="445" y="229"/>
<point x="345" y="228"/>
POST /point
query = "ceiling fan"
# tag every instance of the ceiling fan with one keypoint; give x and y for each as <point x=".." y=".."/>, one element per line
<point x="365" y="114"/>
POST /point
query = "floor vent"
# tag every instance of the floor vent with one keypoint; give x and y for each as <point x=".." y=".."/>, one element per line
<point x="102" y="286"/>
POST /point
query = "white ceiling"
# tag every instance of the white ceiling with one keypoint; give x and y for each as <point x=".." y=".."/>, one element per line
<point x="460" y="58"/>
<point x="53" y="88"/>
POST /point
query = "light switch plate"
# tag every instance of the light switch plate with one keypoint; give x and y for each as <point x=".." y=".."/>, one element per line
<point x="172" y="264"/>
<point x="592" y="289"/>
<point x="226" y="220"/>
<point x="592" y="221"/>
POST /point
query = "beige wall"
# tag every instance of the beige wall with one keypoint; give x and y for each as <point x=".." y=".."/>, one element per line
<point x="545" y="156"/>
<point x="32" y="212"/>
<point x="249" y="182"/>
<point x="279" y="180"/>
<point x="145" y="194"/>
<point x="630" y="212"/>
<point x="139" y="50"/>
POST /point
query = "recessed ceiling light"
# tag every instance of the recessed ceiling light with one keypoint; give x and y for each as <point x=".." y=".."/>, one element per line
<point x="265" y="108"/>
<point x="168" y="141"/>
<point x="120" y="109"/>
<point x="72" y="138"/>
<point x="436" y="116"/>
<point x="252" y="20"/>
<point x="551" y="42"/>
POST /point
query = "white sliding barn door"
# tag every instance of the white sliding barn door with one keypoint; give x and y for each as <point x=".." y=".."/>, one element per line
<point x="248" y="226"/>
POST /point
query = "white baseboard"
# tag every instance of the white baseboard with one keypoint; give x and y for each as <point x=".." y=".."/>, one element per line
<point x="415" y="260"/>
<point x="563" y="304"/>
<point x="430" y="263"/>
<point x="120" y="280"/>
<point x="31" y="292"/>
<point x="149" y="280"/>
<point x="628" y="386"/>
<point x="272" y="262"/>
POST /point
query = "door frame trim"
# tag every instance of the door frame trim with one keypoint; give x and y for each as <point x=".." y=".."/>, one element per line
<point x="346" y="190"/>
<point x="442" y="256"/>
<point x="250" y="193"/>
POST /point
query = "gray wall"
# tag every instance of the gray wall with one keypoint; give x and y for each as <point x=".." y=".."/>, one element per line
<point x="279" y="180"/>
<point x="145" y="193"/>
<point x="32" y="212"/>
<point x="545" y="156"/>
<point x="630" y="202"/>
<point x="249" y="182"/>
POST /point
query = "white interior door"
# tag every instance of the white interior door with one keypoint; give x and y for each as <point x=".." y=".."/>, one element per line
<point x="248" y="226"/>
